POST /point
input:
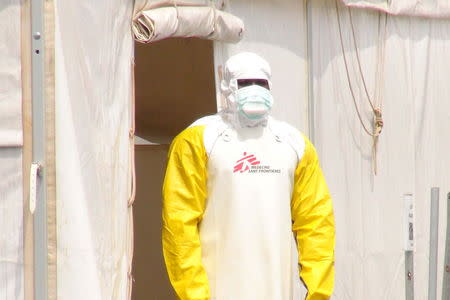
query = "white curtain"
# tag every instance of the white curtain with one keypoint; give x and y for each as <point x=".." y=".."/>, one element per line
<point x="94" y="50"/>
<point x="10" y="83"/>
<point x="11" y="198"/>
<point x="405" y="62"/>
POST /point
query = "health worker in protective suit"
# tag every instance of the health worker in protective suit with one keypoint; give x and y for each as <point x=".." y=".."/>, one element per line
<point x="246" y="211"/>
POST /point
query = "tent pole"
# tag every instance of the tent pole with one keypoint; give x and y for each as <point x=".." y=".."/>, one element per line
<point x="434" y="223"/>
<point x="38" y="153"/>
<point x="311" y="111"/>
<point x="409" y="272"/>
<point x="446" y="281"/>
<point x="409" y="246"/>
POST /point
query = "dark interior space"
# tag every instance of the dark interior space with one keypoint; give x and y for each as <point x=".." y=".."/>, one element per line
<point x="174" y="87"/>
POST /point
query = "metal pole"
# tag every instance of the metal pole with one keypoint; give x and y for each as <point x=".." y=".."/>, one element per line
<point x="409" y="246"/>
<point x="38" y="156"/>
<point x="311" y="108"/>
<point x="409" y="274"/>
<point x="434" y="224"/>
<point x="446" y="281"/>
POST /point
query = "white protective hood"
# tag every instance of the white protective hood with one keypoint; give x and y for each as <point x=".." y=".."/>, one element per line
<point x="245" y="65"/>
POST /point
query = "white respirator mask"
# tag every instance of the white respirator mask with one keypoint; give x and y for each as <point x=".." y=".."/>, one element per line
<point x="253" y="102"/>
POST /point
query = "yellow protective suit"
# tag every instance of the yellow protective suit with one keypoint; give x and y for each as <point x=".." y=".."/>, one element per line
<point x="227" y="225"/>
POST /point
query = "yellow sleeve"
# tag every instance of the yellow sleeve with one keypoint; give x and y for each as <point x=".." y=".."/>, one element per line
<point x="313" y="225"/>
<point x="184" y="196"/>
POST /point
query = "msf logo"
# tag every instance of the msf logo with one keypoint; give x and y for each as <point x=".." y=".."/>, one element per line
<point x="245" y="163"/>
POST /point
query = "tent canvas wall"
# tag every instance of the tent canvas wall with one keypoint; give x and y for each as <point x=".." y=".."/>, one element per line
<point x="404" y="60"/>
<point x="86" y="50"/>
<point x="11" y="141"/>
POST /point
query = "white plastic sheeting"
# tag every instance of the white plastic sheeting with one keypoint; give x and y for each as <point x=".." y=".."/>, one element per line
<point x="409" y="81"/>
<point x="203" y="22"/>
<point x="10" y="83"/>
<point x="11" y="237"/>
<point x="11" y="207"/>
<point x="94" y="50"/>
<point x="423" y="8"/>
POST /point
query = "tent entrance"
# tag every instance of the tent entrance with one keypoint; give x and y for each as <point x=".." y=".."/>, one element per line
<point x="174" y="87"/>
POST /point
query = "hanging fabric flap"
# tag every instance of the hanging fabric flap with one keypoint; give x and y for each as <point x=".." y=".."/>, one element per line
<point x="418" y="8"/>
<point x="187" y="21"/>
<point x="11" y="190"/>
<point x="10" y="76"/>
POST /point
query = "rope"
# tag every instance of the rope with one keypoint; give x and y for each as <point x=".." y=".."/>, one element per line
<point x="378" y="121"/>
<point x="132" y="170"/>
<point x="348" y="73"/>
<point x="359" y="61"/>
<point x="213" y="7"/>
<point x="175" y="5"/>
<point x="377" y="113"/>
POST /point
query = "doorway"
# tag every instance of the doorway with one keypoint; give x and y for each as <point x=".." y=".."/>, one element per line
<point x="174" y="84"/>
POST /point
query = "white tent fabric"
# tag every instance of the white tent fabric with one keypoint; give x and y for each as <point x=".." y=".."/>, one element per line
<point x="204" y="22"/>
<point x="409" y="81"/>
<point x="11" y="207"/>
<point x="11" y="236"/>
<point x="94" y="50"/>
<point x="10" y="83"/>
<point x="423" y="8"/>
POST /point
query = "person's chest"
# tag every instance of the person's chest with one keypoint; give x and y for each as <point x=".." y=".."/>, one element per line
<point x="252" y="156"/>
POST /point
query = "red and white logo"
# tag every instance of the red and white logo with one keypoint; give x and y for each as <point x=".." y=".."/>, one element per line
<point x="245" y="163"/>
